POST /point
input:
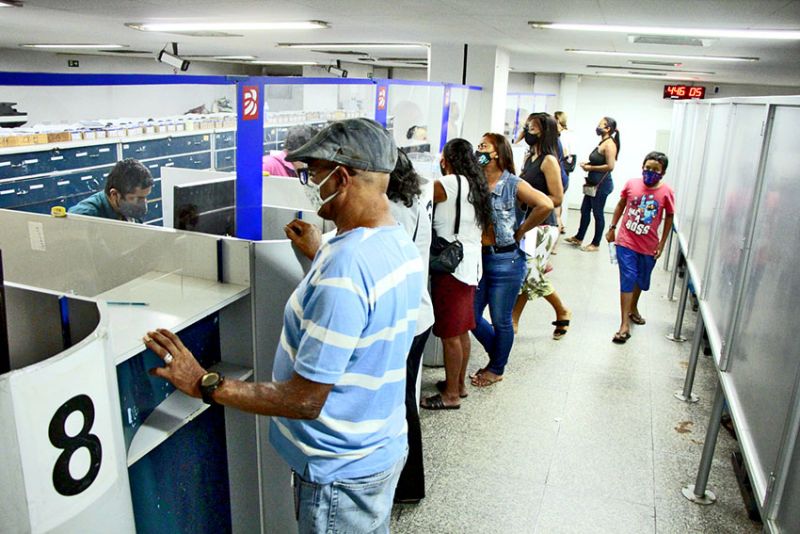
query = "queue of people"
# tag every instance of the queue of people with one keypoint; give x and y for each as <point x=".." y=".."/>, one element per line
<point x="343" y="399"/>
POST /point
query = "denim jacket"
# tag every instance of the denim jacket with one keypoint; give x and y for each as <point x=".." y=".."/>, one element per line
<point x="504" y="217"/>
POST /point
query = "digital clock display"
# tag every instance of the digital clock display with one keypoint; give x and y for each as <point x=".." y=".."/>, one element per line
<point x="684" y="92"/>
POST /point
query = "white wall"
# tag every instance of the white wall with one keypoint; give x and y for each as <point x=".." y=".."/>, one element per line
<point x="640" y="112"/>
<point x="520" y="82"/>
<point x="421" y="75"/>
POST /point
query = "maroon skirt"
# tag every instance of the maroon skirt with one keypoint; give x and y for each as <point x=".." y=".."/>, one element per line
<point x="453" y="306"/>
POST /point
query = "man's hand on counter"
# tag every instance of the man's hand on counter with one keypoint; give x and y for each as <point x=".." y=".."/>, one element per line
<point x="183" y="371"/>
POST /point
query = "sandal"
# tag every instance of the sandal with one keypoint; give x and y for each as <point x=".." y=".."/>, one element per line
<point x="573" y="241"/>
<point x="620" y="338"/>
<point x="436" y="403"/>
<point x="590" y="248"/>
<point x="561" y="327"/>
<point x="486" y="379"/>
<point x="636" y="318"/>
<point x="441" y="385"/>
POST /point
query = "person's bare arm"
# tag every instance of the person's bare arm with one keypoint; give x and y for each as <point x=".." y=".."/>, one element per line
<point x="552" y="175"/>
<point x="611" y="235"/>
<point x="668" y="219"/>
<point x="297" y="398"/>
<point x="439" y="194"/>
<point x="541" y="206"/>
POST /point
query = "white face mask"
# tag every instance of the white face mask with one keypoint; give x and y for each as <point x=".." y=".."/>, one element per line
<point x="313" y="194"/>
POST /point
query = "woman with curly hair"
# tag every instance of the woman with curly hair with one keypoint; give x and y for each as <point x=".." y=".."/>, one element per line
<point x="503" y="262"/>
<point x="453" y="294"/>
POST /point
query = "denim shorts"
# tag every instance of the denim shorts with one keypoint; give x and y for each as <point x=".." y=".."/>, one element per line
<point x="362" y="505"/>
<point x="635" y="269"/>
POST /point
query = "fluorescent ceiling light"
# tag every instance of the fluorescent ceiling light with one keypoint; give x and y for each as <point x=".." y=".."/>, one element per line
<point x="686" y="32"/>
<point x="77" y="46"/>
<point x="352" y="45"/>
<point x="305" y="63"/>
<point x="667" y="56"/>
<point x="225" y="26"/>
<point x="648" y="76"/>
<point x="234" y="58"/>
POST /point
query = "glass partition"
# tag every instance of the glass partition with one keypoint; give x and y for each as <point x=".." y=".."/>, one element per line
<point x="519" y="106"/>
<point x="415" y="112"/>
<point x="66" y="146"/>
<point x="464" y="114"/>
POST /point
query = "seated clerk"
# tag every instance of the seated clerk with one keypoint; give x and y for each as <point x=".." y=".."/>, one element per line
<point x="276" y="164"/>
<point x="124" y="197"/>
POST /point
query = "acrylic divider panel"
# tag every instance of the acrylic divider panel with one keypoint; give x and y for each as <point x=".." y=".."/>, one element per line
<point x="415" y="112"/>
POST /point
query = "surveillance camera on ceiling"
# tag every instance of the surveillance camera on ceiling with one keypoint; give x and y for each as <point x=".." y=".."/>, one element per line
<point x="173" y="59"/>
<point x="336" y="71"/>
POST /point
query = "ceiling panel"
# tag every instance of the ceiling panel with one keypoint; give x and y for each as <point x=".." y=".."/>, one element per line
<point x="503" y="24"/>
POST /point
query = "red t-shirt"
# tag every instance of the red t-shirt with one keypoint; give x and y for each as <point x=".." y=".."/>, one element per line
<point x="644" y="209"/>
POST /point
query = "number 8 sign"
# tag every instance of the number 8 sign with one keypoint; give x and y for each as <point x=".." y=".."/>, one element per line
<point x="70" y="450"/>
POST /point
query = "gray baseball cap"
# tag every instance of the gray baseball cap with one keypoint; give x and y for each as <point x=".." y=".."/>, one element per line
<point x="358" y="143"/>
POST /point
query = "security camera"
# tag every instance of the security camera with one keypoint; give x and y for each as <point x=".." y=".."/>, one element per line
<point x="173" y="59"/>
<point x="336" y="71"/>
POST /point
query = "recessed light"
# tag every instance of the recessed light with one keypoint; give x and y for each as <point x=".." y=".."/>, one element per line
<point x="73" y="45"/>
<point x="10" y="3"/>
<point x="665" y="56"/>
<point x="352" y="45"/>
<point x="791" y="35"/>
<point x="646" y="70"/>
<point x="225" y="26"/>
<point x="303" y="63"/>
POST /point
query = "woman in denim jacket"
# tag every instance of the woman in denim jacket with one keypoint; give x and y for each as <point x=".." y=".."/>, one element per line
<point x="504" y="264"/>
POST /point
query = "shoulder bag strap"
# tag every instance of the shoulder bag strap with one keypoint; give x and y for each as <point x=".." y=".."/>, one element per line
<point x="458" y="207"/>
<point x="416" y="228"/>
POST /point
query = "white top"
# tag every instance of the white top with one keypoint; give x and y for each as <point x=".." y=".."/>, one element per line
<point x="566" y="142"/>
<point x="408" y="218"/>
<point x="470" y="269"/>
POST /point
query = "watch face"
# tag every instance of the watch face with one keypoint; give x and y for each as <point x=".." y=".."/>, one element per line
<point x="209" y="379"/>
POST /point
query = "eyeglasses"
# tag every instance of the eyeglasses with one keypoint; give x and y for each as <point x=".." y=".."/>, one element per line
<point x="303" y="175"/>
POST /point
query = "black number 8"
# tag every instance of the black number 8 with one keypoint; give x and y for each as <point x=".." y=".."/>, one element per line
<point x="63" y="482"/>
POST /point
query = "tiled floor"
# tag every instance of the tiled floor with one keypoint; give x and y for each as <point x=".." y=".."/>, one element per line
<point x="582" y="436"/>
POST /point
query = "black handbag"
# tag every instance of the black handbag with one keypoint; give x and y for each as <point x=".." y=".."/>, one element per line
<point x="446" y="255"/>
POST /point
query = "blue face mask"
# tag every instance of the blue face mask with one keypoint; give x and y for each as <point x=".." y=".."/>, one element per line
<point x="651" y="178"/>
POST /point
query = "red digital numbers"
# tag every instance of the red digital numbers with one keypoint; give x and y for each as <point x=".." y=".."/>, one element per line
<point x="682" y="92"/>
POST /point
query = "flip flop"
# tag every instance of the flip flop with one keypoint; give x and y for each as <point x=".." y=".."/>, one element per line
<point x="442" y="384"/>
<point x="436" y="403"/>
<point x="636" y="318"/>
<point x="620" y="339"/>
<point x="482" y="380"/>
<point x="477" y="373"/>
<point x="560" y="331"/>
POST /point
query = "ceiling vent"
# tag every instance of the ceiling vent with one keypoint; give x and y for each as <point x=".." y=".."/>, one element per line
<point x="670" y="40"/>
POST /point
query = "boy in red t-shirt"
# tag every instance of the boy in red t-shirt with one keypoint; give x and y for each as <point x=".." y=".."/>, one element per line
<point x="644" y="202"/>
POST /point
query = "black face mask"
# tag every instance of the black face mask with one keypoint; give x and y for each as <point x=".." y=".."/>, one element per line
<point x="531" y="138"/>
<point x="442" y="170"/>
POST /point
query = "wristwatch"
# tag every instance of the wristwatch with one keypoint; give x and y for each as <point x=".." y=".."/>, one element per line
<point x="612" y="227"/>
<point x="209" y="383"/>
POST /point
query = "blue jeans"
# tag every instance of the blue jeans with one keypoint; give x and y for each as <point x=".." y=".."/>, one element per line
<point x="595" y="205"/>
<point x="499" y="286"/>
<point x="361" y="505"/>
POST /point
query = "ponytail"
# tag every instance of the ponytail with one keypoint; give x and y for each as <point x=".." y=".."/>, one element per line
<point x="612" y="125"/>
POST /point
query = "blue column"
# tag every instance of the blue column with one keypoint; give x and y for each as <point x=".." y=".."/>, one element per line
<point x="381" y="103"/>
<point x="445" y="118"/>
<point x="249" y="151"/>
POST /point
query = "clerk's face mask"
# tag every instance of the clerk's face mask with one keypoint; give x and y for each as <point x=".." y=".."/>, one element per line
<point x="312" y="190"/>
<point x="133" y="205"/>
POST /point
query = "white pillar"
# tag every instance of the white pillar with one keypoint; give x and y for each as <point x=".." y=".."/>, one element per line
<point x="486" y="66"/>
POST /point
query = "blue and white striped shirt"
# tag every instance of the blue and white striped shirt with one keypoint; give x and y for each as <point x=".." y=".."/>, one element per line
<point x="350" y="323"/>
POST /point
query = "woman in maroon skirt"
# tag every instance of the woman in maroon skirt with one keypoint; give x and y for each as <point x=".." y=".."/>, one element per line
<point x="453" y="294"/>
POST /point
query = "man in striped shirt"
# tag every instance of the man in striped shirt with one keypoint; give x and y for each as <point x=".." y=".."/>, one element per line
<point x="338" y="387"/>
